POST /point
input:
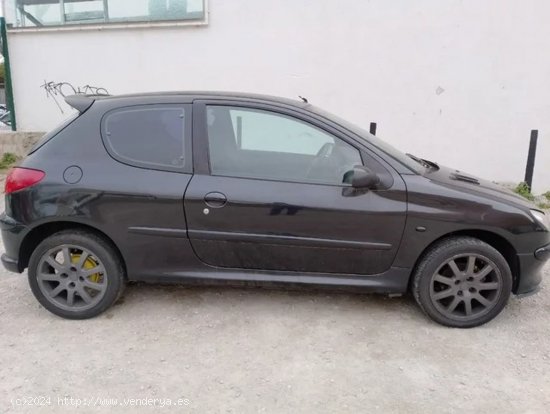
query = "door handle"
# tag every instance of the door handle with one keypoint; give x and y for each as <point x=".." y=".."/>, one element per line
<point x="215" y="200"/>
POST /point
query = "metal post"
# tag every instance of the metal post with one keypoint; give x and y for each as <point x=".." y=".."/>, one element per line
<point x="62" y="11"/>
<point x="531" y="157"/>
<point x="106" y="11"/>
<point x="239" y="132"/>
<point x="7" y="73"/>
<point x="21" y="8"/>
<point x="373" y="128"/>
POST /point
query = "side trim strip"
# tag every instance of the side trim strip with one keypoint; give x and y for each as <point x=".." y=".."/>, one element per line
<point x="280" y="239"/>
<point x="156" y="231"/>
<point x="394" y="280"/>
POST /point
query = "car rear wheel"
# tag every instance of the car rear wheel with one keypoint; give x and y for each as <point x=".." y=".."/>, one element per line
<point x="76" y="274"/>
<point x="462" y="282"/>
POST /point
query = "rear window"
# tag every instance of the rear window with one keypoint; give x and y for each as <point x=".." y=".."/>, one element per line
<point x="150" y="136"/>
<point x="54" y="132"/>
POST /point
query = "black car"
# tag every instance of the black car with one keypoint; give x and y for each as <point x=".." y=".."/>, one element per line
<point x="249" y="188"/>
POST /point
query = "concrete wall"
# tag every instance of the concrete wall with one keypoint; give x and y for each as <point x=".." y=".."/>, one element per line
<point x="18" y="143"/>
<point x="460" y="82"/>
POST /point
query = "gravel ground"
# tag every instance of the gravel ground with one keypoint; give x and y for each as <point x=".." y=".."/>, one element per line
<point x="256" y="350"/>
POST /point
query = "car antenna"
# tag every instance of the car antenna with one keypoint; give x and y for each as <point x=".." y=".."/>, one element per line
<point x="303" y="99"/>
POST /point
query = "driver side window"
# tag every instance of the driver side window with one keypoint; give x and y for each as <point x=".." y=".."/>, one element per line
<point x="252" y="143"/>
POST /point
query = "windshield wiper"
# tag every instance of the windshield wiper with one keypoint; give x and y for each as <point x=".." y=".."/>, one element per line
<point x="419" y="160"/>
<point x="423" y="162"/>
<point x="431" y="164"/>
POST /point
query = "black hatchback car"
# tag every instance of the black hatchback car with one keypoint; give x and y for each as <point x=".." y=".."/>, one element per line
<point x="249" y="188"/>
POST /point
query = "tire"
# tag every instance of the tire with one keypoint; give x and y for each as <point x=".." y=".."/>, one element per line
<point x="462" y="282"/>
<point x="83" y="286"/>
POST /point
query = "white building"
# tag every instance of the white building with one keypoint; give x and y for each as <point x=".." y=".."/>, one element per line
<point x="460" y="82"/>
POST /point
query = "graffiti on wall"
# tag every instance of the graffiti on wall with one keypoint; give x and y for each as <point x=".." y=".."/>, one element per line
<point x="57" y="90"/>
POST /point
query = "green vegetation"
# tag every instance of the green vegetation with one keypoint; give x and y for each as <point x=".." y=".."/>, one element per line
<point x="523" y="190"/>
<point x="543" y="204"/>
<point x="2" y="74"/>
<point x="8" y="159"/>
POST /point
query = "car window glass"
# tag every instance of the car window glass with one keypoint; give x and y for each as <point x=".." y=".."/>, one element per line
<point x="261" y="144"/>
<point x="54" y="132"/>
<point x="374" y="140"/>
<point x="150" y="135"/>
<point x="271" y="132"/>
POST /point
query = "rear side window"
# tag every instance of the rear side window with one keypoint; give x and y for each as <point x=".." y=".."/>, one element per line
<point x="150" y="136"/>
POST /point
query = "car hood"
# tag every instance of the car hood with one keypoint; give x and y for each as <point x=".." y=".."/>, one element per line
<point x="472" y="184"/>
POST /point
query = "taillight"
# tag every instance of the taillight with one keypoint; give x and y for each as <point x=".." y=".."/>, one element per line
<point x="20" y="178"/>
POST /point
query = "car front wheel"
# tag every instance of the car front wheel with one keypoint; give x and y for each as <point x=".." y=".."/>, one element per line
<point x="462" y="282"/>
<point x="76" y="274"/>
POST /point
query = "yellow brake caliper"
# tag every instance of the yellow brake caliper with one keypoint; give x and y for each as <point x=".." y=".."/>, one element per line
<point x="88" y="264"/>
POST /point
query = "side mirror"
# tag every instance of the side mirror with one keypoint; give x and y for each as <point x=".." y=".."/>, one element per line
<point x="362" y="177"/>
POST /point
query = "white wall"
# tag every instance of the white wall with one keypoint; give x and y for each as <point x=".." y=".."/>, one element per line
<point x="460" y="82"/>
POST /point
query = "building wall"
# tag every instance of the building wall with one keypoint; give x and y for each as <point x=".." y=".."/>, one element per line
<point x="461" y="82"/>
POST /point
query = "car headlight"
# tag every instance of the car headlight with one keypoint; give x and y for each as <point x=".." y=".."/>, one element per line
<point x="541" y="218"/>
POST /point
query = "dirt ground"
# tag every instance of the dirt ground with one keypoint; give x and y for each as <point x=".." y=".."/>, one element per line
<point x="212" y="349"/>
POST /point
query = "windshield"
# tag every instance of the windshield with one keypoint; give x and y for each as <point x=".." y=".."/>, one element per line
<point x="377" y="142"/>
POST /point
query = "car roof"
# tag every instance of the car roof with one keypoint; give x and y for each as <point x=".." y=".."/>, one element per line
<point x="83" y="102"/>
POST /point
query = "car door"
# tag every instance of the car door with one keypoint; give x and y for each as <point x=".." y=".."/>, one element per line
<point x="268" y="193"/>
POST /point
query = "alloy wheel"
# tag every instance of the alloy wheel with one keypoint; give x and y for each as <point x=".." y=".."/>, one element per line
<point x="72" y="277"/>
<point x="466" y="286"/>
